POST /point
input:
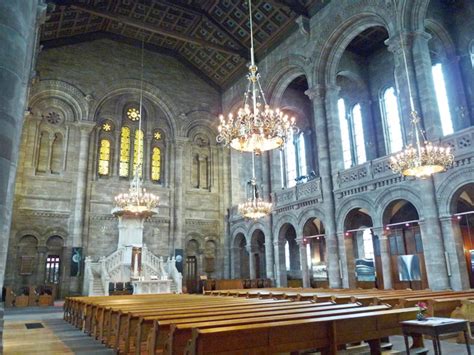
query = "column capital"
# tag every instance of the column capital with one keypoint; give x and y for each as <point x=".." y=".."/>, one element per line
<point x="321" y="91"/>
<point x="448" y="218"/>
<point x="278" y="243"/>
<point x="395" y="42"/>
<point x="86" y="127"/>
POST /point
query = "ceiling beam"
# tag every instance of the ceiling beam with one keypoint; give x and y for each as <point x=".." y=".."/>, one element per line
<point x="293" y="5"/>
<point x="198" y="11"/>
<point x="146" y="27"/>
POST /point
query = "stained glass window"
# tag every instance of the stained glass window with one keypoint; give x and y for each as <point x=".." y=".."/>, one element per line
<point x="133" y="114"/>
<point x="290" y="162"/>
<point x="156" y="164"/>
<point x="138" y="152"/>
<point x="104" y="157"/>
<point x="124" y="152"/>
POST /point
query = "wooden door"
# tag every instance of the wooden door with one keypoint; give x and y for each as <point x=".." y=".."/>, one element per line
<point x="191" y="274"/>
<point x="403" y="242"/>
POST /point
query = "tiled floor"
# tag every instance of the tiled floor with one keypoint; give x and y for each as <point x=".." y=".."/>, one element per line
<point x="59" y="337"/>
<point x="55" y="337"/>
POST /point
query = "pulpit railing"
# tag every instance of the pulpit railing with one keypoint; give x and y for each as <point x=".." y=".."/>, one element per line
<point x="175" y="275"/>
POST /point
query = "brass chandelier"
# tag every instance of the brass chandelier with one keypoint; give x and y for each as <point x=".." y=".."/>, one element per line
<point x="137" y="201"/>
<point x="256" y="127"/>
<point x="255" y="207"/>
<point x="420" y="158"/>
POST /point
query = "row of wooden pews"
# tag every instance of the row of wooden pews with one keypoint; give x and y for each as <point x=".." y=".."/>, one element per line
<point x="249" y="321"/>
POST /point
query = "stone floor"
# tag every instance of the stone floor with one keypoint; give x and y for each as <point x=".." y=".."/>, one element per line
<point x="50" y="334"/>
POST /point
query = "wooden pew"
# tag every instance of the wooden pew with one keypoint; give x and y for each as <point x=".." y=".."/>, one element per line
<point x="181" y="333"/>
<point x="316" y="333"/>
<point x="160" y="331"/>
<point x="126" y="319"/>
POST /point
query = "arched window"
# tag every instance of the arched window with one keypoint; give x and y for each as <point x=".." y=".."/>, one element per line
<point x="157" y="151"/>
<point x="290" y="163"/>
<point x="138" y="152"/>
<point x="442" y="99"/>
<point x="287" y="255"/>
<point x="368" y="244"/>
<point x="302" y="166"/>
<point x="345" y="136"/>
<point x="124" y="152"/>
<point x="104" y="157"/>
<point x="391" y="120"/>
<point x="358" y="134"/>
<point x="156" y="164"/>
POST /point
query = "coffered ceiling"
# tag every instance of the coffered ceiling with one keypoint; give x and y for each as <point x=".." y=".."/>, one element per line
<point x="210" y="36"/>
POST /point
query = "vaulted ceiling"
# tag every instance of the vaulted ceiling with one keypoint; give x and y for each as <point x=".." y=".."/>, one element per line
<point x="210" y="36"/>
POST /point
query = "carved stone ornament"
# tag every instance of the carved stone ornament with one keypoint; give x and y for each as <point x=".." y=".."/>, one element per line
<point x="53" y="118"/>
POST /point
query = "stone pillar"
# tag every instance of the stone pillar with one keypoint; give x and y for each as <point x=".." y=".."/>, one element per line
<point x="178" y="212"/>
<point x="432" y="238"/>
<point x="415" y="46"/>
<point x="235" y="266"/>
<point x="318" y="95"/>
<point x="252" y="266"/>
<point x="85" y="128"/>
<point x="269" y="262"/>
<point x="384" y="257"/>
<point x="303" y="263"/>
<point x="349" y="276"/>
<point x="19" y="24"/>
<point x="41" y="274"/>
<point x="457" y="273"/>
<point x="341" y="258"/>
<point x="280" y="266"/>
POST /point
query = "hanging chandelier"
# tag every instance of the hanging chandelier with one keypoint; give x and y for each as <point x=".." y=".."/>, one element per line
<point x="256" y="127"/>
<point x="255" y="207"/>
<point x="420" y="158"/>
<point x="137" y="201"/>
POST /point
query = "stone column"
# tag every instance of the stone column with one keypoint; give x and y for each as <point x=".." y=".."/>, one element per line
<point x="384" y="257"/>
<point x="252" y="266"/>
<point x="269" y="262"/>
<point x="85" y="129"/>
<point x="235" y="266"/>
<point x="178" y="212"/>
<point x="458" y="276"/>
<point x="348" y="263"/>
<point x="41" y="274"/>
<point x="304" y="263"/>
<point x="280" y="266"/>
<point x="19" y="24"/>
<point x="317" y="95"/>
<point x="147" y="156"/>
<point x="432" y="238"/>
<point x="415" y="47"/>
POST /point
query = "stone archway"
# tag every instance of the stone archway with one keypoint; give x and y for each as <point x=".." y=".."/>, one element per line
<point x="361" y="245"/>
<point x="288" y="265"/>
<point x="316" y="252"/>
<point x="257" y="255"/>
<point x="240" y="258"/>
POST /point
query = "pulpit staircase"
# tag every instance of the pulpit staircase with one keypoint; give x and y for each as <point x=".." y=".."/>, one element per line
<point x="115" y="268"/>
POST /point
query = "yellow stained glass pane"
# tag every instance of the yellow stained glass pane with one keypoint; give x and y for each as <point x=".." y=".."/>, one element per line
<point x="133" y="114"/>
<point x="156" y="164"/>
<point x="124" y="152"/>
<point x="138" y="152"/>
<point x="157" y="135"/>
<point x="104" y="157"/>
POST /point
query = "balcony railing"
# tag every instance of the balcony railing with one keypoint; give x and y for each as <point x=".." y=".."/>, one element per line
<point x="379" y="169"/>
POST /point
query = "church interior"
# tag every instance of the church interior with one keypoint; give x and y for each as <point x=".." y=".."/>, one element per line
<point x="237" y="176"/>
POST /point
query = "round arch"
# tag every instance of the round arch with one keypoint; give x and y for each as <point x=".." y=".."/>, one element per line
<point x="283" y="73"/>
<point x="150" y="92"/>
<point x="310" y="213"/>
<point x="453" y="182"/>
<point x="286" y="218"/>
<point x="396" y="193"/>
<point x="353" y="203"/>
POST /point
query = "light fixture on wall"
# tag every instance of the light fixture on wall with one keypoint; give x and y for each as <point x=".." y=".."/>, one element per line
<point x="420" y="158"/>
<point x="256" y="127"/>
<point x="137" y="201"/>
<point x="255" y="207"/>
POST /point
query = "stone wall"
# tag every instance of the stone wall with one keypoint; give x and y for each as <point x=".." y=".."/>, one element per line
<point x="59" y="191"/>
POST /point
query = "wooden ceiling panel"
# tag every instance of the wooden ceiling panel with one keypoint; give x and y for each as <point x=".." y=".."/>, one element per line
<point x="212" y="36"/>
